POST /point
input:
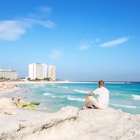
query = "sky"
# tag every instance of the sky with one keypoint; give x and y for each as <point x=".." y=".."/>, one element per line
<point x="87" y="40"/>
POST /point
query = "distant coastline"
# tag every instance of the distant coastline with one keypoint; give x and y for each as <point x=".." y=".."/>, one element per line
<point x="66" y="81"/>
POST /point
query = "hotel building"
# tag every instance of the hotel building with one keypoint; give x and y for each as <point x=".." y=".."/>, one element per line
<point x="8" y="74"/>
<point x="52" y="72"/>
<point x="42" y="71"/>
<point x="37" y="71"/>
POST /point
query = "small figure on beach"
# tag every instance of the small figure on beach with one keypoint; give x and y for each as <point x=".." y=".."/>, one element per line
<point x="102" y="100"/>
<point x="12" y="98"/>
<point x="18" y="99"/>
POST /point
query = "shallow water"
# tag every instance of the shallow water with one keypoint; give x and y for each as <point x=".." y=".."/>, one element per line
<point x="53" y="97"/>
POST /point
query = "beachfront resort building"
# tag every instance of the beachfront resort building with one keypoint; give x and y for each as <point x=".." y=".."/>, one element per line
<point x="52" y="72"/>
<point x="8" y="74"/>
<point x="37" y="71"/>
<point x="42" y="72"/>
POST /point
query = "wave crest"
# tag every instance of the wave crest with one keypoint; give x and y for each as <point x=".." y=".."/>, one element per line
<point x="75" y="99"/>
<point x="124" y="106"/>
<point x="81" y="91"/>
<point x="136" y="97"/>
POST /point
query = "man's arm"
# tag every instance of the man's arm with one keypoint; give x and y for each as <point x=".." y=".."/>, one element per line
<point x="90" y="93"/>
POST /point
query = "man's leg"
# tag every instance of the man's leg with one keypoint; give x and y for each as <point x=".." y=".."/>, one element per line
<point x="88" y="100"/>
<point x="95" y="103"/>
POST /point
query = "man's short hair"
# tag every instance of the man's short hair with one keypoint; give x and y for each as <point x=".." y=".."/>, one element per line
<point x="101" y="82"/>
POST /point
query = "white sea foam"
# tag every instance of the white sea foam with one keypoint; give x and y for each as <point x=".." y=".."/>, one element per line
<point x="38" y="85"/>
<point x="53" y="96"/>
<point x="50" y="95"/>
<point x="81" y="91"/>
<point x="117" y="93"/>
<point x="124" y="106"/>
<point x="63" y="96"/>
<point x="136" y="97"/>
<point x="47" y="94"/>
<point x="75" y="99"/>
<point x="65" y="87"/>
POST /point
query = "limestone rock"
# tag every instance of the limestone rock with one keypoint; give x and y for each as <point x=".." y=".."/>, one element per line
<point x="70" y="123"/>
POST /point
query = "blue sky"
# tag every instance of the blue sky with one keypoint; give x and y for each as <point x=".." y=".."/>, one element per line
<point x="87" y="40"/>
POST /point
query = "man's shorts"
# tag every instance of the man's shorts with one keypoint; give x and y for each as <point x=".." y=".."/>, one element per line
<point x="94" y="101"/>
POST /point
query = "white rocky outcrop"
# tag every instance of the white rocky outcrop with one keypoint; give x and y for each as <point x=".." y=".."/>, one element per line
<point x="69" y="123"/>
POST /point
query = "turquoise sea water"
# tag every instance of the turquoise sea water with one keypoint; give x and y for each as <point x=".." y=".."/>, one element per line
<point x="52" y="97"/>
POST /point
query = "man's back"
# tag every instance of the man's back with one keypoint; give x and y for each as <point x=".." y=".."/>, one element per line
<point x="103" y="96"/>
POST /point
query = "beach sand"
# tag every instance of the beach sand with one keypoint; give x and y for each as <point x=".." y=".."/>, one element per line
<point x="69" y="123"/>
<point x="6" y="87"/>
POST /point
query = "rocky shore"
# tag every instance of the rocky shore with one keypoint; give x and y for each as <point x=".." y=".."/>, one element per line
<point x="69" y="123"/>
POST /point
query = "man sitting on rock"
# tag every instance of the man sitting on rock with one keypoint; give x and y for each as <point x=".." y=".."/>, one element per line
<point x="102" y="100"/>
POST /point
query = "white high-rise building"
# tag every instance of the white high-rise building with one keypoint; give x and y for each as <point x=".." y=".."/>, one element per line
<point x="8" y="74"/>
<point x="52" y="72"/>
<point x="37" y="71"/>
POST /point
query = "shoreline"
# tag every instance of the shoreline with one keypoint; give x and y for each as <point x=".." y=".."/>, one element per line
<point x="7" y="87"/>
<point x="67" y="123"/>
<point x="57" y="82"/>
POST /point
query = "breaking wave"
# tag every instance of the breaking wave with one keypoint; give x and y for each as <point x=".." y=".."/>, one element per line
<point x="54" y="96"/>
<point x="124" y="106"/>
<point x="136" y="97"/>
<point x="81" y="91"/>
<point x="75" y="99"/>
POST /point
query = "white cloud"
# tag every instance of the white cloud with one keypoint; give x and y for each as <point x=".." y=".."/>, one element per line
<point x="115" y="42"/>
<point x="44" y="9"/>
<point x="55" y="54"/>
<point x="84" y="47"/>
<point x="86" y="44"/>
<point x="11" y="30"/>
<point x="48" y="23"/>
<point x="97" y="40"/>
